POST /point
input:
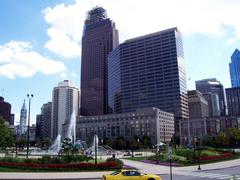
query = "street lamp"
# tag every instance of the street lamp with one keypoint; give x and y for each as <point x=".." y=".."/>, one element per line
<point x="198" y="143"/>
<point x="29" y="105"/>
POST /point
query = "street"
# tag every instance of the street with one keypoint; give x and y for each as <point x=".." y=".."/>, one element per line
<point x="226" y="173"/>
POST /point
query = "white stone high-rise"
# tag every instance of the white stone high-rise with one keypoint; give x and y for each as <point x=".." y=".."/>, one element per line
<point x="22" y="128"/>
<point x="65" y="100"/>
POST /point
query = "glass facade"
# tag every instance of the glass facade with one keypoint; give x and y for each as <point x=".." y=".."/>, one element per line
<point x="234" y="68"/>
<point x="233" y="100"/>
<point x="99" y="38"/>
<point x="213" y="92"/>
<point x="149" y="71"/>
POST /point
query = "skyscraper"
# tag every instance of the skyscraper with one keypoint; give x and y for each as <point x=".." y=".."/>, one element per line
<point x="100" y="37"/>
<point x="213" y="92"/>
<point x="234" y="68"/>
<point x="22" y="128"/>
<point x="148" y="71"/>
<point x="198" y="106"/>
<point x="5" y="110"/>
<point x="43" y="124"/>
<point x="65" y="100"/>
<point x="233" y="101"/>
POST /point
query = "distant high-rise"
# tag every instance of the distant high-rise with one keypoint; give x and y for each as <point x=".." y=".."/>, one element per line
<point x="22" y="128"/>
<point x="213" y="92"/>
<point x="233" y="101"/>
<point x="148" y="71"/>
<point x="234" y="68"/>
<point x="43" y="124"/>
<point x="100" y="37"/>
<point x="198" y="106"/>
<point x="65" y="100"/>
<point x="5" y="110"/>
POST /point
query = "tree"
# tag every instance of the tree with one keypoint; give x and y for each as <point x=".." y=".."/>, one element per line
<point x="147" y="141"/>
<point x="120" y="143"/>
<point x="6" y="135"/>
<point x="233" y="135"/>
<point x="222" y="139"/>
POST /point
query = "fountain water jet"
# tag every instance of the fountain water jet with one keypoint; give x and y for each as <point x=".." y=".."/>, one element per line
<point x="71" y="132"/>
<point x="56" y="147"/>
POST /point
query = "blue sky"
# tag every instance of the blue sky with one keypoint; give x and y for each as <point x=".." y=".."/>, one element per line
<point x="40" y="41"/>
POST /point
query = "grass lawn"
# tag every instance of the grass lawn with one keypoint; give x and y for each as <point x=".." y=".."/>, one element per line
<point x="6" y="169"/>
<point x="140" y="158"/>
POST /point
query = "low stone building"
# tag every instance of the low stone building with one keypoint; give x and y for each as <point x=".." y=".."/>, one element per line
<point x="152" y="122"/>
<point x="206" y="127"/>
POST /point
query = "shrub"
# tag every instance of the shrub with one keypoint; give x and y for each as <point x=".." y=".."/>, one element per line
<point x="118" y="161"/>
<point x="188" y="153"/>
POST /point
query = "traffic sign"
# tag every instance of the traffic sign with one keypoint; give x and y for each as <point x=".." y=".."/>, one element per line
<point x="169" y="152"/>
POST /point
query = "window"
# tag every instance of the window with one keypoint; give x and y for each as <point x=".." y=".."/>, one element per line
<point x="131" y="173"/>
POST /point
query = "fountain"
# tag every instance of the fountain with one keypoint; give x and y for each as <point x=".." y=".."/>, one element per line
<point x="56" y="147"/>
<point x="71" y="132"/>
<point x="80" y="145"/>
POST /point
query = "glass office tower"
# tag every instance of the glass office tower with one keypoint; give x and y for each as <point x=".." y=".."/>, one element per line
<point x="148" y="71"/>
<point x="213" y="92"/>
<point x="234" y="68"/>
<point x="99" y="38"/>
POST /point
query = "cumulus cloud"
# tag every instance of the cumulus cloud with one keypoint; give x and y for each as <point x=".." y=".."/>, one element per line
<point x="17" y="59"/>
<point x="138" y="17"/>
<point x="65" y="31"/>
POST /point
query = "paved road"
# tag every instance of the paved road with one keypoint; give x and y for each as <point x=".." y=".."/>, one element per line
<point x="221" y="174"/>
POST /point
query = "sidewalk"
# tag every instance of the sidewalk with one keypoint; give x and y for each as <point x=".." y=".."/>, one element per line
<point x="143" y="167"/>
<point x="160" y="169"/>
<point x="54" y="175"/>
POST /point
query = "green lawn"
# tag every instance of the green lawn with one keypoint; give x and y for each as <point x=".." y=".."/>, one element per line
<point x="137" y="158"/>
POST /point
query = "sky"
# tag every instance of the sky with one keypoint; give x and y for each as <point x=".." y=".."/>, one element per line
<point x="40" y="41"/>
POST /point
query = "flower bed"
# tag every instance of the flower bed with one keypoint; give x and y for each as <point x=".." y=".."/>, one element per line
<point x="224" y="155"/>
<point x="69" y="166"/>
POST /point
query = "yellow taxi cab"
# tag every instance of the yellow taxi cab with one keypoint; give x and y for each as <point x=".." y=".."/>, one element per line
<point x="130" y="175"/>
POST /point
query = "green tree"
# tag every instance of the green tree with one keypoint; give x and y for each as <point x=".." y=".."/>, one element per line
<point x="21" y="142"/>
<point x="146" y="141"/>
<point x="233" y="135"/>
<point x="120" y="143"/>
<point x="6" y="135"/>
<point x="222" y="139"/>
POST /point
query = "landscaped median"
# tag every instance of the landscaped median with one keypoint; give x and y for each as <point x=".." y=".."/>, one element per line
<point x="38" y="165"/>
<point x="186" y="157"/>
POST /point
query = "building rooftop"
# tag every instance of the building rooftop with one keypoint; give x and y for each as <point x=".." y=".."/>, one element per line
<point x="95" y="15"/>
<point x="152" y="34"/>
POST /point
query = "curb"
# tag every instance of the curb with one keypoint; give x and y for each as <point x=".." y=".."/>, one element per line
<point x="217" y="168"/>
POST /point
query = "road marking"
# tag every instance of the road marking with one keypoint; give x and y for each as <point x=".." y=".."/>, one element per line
<point x="212" y="175"/>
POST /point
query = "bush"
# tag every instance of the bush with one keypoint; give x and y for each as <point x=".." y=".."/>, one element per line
<point x="118" y="161"/>
<point x="187" y="153"/>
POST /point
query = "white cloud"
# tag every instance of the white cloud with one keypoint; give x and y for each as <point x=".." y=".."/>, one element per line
<point x="73" y="74"/>
<point x="17" y="59"/>
<point x="138" y="17"/>
<point x="63" y="75"/>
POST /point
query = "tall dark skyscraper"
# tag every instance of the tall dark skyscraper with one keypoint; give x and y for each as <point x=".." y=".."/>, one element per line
<point x="148" y="71"/>
<point x="234" y="68"/>
<point x="213" y="92"/>
<point x="100" y="37"/>
<point x="233" y="101"/>
<point x="5" y="110"/>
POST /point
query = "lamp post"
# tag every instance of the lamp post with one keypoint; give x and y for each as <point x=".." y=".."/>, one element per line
<point x="29" y="105"/>
<point x="198" y="143"/>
